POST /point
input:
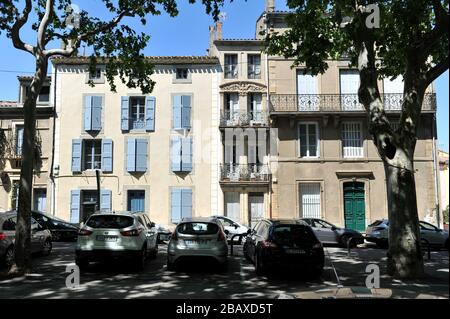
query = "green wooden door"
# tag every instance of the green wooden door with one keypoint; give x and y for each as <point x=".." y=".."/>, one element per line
<point x="354" y="206"/>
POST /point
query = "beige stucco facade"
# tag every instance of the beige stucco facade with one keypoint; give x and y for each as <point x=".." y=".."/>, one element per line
<point x="158" y="179"/>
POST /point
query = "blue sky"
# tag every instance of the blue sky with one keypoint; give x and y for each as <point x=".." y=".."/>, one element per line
<point x="188" y="34"/>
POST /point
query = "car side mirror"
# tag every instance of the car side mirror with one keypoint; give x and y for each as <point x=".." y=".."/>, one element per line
<point x="249" y="232"/>
<point x="227" y="232"/>
<point x="151" y="225"/>
<point x="333" y="228"/>
<point x="236" y="226"/>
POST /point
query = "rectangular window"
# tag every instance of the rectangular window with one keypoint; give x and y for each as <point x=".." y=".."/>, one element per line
<point x="93" y="113"/>
<point x="309" y="200"/>
<point x="137" y="104"/>
<point x="352" y="141"/>
<point x="182" y="73"/>
<point x="254" y="66"/>
<point x="181" y="154"/>
<point x="181" y="204"/>
<point x="92" y="155"/>
<point x="309" y="139"/>
<point x="231" y="108"/>
<point x="231" y="63"/>
<point x="255" y="107"/>
<point x="40" y="199"/>
<point x="137" y="155"/>
<point x="136" y="201"/>
<point x="232" y="205"/>
<point x="181" y="115"/>
<point x="95" y="74"/>
<point x="19" y="139"/>
<point x="44" y="94"/>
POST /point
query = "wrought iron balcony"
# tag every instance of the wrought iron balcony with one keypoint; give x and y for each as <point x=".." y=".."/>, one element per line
<point x="244" y="173"/>
<point x="328" y="103"/>
<point x="242" y="118"/>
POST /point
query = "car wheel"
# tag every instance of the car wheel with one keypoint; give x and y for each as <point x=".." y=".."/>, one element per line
<point x="9" y="257"/>
<point x="244" y="250"/>
<point x="317" y="272"/>
<point x="259" y="267"/>
<point x="223" y="267"/>
<point x="140" y="259"/>
<point x="382" y="244"/>
<point x="47" y="248"/>
<point x="446" y="244"/>
<point x="81" y="263"/>
<point x="154" y="252"/>
<point x="170" y="266"/>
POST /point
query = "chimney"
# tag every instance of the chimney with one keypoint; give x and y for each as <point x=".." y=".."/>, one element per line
<point x="219" y="30"/>
<point x="270" y="5"/>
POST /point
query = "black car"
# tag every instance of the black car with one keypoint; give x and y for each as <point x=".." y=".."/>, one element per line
<point x="274" y="244"/>
<point x="330" y="234"/>
<point x="60" y="229"/>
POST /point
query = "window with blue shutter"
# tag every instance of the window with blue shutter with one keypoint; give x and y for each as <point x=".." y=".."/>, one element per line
<point x="175" y="205"/>
<point x="75" y="203"/>
<point x="136" y="201"/>
<point x="177" y="110"/>
<point x="125" y="113"/>
<point x="93" y="113"/>
<point x="137" y="157"/>
<point x="181" y="204"/>
<point x="186" y="154"/>
<point x="105" y="199"/>
<point x="175" y="158"/>
<point x="186" y="112"/>
<point x="150" y="104"/>
<point x="76" y="155"/>
<point x="141" y="155"/>
<point x="107" y="155"/>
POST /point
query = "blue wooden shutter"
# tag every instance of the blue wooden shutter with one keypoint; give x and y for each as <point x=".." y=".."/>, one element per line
<point x="175" y="205"/>
<point x="186" y="157"/>
<point x="88" y="113"/>
<point x="177" y="107"/>
<point x="150" y="103"/>
<point x="186" y="203"/>
<point x="175" y="156"/>
<point x="105" y="199"/>
<point x="96" y="113"/>
<point x="125" y="113"/>
<point x="76" y="155"/>
<point x="75" y="202"/>
<point x="131" y="155"/>
<point x="107" y="155"/>
<point x="186" y="112"/>
<point x="141" y="155"/>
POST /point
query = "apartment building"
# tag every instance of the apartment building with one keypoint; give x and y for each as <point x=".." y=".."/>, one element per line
<point x="154" y="151"/>
<point x="11" y="124"/>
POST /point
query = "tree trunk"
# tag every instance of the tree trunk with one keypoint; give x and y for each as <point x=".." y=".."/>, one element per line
<point x="23" y="226"/>
<point x="405" y="258"/>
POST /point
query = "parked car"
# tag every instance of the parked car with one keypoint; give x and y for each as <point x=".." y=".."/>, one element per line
<point x="41" y="238"/>
<point x="331" y="234"/>
<point x="164" y="233"/>
<point x="60" y="229"/>
<point x="116" y="235"/>
<point x="232" y="227"/>
<point x="378" y="232"/>
<point x="198" y="237"/>
<point x="274" y="244"/>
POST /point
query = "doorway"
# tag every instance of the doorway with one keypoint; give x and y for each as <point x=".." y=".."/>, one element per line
<point x="354" y="206"/>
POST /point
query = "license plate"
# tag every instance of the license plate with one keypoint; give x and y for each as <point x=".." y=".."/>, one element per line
<point x="196" y="242"/>
<point x="106" y="238"/>
<point x="295" y="251"/>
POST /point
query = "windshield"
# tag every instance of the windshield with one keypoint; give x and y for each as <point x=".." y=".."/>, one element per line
<point x="110" y="221"/>
<point x="198" y="228"/>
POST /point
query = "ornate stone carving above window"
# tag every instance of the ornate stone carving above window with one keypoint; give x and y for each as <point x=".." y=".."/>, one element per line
<point x="243" y="88"/>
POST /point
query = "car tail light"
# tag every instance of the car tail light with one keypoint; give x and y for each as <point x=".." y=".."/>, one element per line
<point x="174" y="236"/>
<point x="84" y="232"/>
<point x="133" y="232"/>
<point x="267" y="244"/>
<point x="221" y="236"/>
<point x="2" y="236"/>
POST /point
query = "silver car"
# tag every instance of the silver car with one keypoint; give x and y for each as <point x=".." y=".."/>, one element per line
<point x="232" y="228"/>
<point x="378" y="232"/>
<point x="198" y="237"/>
<point x="41" y="238"/>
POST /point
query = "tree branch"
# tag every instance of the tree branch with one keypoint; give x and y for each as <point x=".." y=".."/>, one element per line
<point x="436" y="71"/>
<point x="18" y="24"/>
<point x="44" y="23"/>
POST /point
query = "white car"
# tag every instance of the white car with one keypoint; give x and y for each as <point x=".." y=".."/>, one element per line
<point x="113" y="235"/>
<point x="232" y="228"/>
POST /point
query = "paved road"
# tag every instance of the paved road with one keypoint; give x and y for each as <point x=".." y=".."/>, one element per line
<point x="48" y="279"/>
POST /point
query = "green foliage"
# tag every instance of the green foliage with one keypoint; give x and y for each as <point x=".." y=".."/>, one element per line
<point x="408" y="29"/>
<point x="445" y="212"/>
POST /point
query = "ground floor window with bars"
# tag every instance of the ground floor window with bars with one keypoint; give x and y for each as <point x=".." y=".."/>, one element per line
<point x="352" y="140"/>
<point x="309" y="199"/>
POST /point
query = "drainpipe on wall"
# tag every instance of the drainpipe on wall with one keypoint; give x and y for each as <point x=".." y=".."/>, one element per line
<point x="51" y="175"/>
<point x="266" y="27"/>
<point x="436" y="181"/>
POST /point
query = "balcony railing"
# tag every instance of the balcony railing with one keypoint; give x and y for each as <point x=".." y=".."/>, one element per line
<point x="339" y="102"/>
<point x="138" y="124"/>
<point x="244" y="173"/>
<point x="233" y="118"/>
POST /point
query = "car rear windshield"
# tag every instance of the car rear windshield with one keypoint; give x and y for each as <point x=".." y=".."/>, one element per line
<point x="110" y="221"/>
<point x="198" y="228"/>
<point x="288" y="234"/>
